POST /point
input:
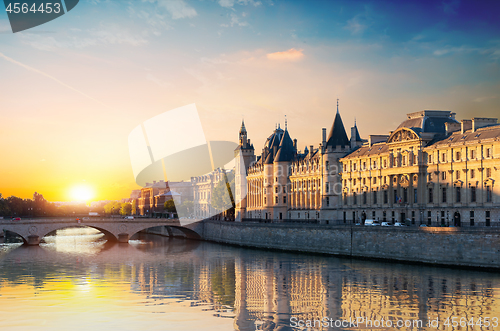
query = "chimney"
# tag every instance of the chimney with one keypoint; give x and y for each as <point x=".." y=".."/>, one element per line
<point x="452" y="127"/>
<point x="481" y="122"/>
<point x="324" y="136"/>
<point x="466" y="125"/>
<point x="295" y="144"/>
<point x="310" y="148"/>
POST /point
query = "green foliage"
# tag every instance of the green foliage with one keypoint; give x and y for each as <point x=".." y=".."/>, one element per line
<point x="134" y="207"/>
<point x="221" y="200"/>
<point x="186" y="208"/>
<point x="126" y="209"/>
<point x="113" y="207"/>
<point x="169" y="206"/>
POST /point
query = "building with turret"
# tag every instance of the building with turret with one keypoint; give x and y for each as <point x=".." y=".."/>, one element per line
<point x="431" y="170"/>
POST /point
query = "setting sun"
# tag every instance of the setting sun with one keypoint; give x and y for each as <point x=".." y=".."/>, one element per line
<point x="82" y="193"/>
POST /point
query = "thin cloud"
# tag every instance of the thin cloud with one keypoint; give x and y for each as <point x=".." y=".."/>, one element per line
<point x="178" y="8"/>
<point x="48" y="76"/>
<point x="290" y="55"/>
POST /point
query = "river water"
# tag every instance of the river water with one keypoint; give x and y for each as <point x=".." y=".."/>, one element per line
<point x="78" y="281"/>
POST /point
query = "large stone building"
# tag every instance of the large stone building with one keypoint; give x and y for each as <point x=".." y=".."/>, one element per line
<point x="432" y="169"/>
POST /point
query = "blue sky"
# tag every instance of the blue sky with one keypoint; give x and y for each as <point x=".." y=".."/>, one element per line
<point x="107" y="66"/>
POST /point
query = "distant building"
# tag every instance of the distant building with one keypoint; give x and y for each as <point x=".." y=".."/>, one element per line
<point x="153" y="196"/>
<point x="203" y="187"/>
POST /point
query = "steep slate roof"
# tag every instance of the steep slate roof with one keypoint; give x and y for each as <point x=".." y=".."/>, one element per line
<point x="337" y="136"/>
<point x="356" y="133"/>
<point x="486" y="133"/>
<point x="286" y="150"/>
<point x="375" y="149"/>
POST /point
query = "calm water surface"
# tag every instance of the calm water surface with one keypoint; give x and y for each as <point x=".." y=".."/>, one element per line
<point x="78" y="281"/>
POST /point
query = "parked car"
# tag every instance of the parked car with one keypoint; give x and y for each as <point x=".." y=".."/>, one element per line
<point x="129" y="217"/>
<point x="385" y="224"/>
<point x="399" y="224"/>
<point x="423" y="225"/>
<point x="372" y="223"/>
<point x="16" y="218"/>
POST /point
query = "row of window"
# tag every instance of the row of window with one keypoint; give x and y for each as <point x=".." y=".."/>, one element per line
<point x="404" y="196"/>
<point x="404" y="160"/>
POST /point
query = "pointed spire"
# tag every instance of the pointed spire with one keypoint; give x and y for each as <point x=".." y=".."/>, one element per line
<point x="337" y="105"/>
<point x="285" y="123"/>
<point x="279" y="126"/>
<point x="243" y="129"/>
<point x="354" y="121"/>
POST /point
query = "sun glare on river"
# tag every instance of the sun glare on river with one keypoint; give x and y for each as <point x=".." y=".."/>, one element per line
<point x="82" y="193"/>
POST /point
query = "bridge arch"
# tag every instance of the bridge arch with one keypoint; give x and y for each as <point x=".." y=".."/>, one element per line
<point x="190" y="234"/>
<point x="107" y="234"/>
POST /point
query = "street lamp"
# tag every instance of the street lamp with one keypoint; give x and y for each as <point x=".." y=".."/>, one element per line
<point x="447" y="218"/>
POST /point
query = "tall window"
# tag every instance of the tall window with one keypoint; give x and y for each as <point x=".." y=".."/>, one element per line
<point x="405" y="195"/>
<point x="443" y="157"/>
<point x="374" y="180"/>
<point x="327" y="165"/>
<point x="374" y="197"/>
<point x="284" y="199"/>
<point x="327" y="201"/>
<point x="488" y="218"/>
<point x="355" y="198"/>
<point x="444" y="194"/>
<point x="471" y="218"/>
<point x="327" y="187"/>
<point x="443" y="175"/>
<point x="488" y="172"/>
<point x="458" y="156"/>
<point x="488" y="194"/>
<point x="429" y="178"/>
<point x="457" y="174"/>
<point x="364" y="198"/>
<point x="430" y="158"/>
<point x="429" y="217"/>
<point x="345" y="198"/>
<point x="385" y="163"/>
<point x="472" y="173"/>
<point x="386" y="197"/>
<point x="458" y="192"/>
<point x="488" y="152"/>
<point x="431" y="196"/>
<point x="395" y="196"/>
<point x="472" y="154"/>
<point x="473" y="194"/>
<point x="415" y="195"/>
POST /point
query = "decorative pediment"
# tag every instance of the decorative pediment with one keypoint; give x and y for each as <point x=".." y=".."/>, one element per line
<point x="458" y="183"/>
<point x="489" y="181"/>
<point x="403" y="134"/>
<point x="385" y="186"/>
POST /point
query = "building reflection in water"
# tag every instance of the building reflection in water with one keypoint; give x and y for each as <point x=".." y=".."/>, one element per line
<point x="261" y="290"/>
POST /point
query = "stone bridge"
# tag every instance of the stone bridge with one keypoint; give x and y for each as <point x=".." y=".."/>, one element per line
<point x="115" y="229"/>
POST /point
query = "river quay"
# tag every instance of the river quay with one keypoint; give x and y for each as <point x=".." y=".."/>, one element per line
<point x="464" y="247"/>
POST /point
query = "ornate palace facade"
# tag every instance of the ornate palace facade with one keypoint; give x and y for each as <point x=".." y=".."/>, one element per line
<point x="432" y="169"/>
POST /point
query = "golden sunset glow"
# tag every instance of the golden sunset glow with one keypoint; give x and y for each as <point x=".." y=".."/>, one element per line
<point x="82" y="193"/>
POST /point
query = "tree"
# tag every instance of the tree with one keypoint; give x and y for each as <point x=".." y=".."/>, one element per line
<point x="186" y="208"/>
<point x="4" y="207"/>
<point x="222" y="195"/>
<point x="169" y="206"/>
<point x="112" y="207"/>
<point x="134" y="207"/>
<point x="125" y="209"/>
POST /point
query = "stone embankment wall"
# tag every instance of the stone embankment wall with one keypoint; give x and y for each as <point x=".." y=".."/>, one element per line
<point x="477" y="247"/>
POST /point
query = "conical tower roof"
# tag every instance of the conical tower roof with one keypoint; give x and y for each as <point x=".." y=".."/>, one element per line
<point x="286" y="150"/>
<point x="337" y="136"/>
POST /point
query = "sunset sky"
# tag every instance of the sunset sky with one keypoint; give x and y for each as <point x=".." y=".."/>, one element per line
<point x="74" y="88"/>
